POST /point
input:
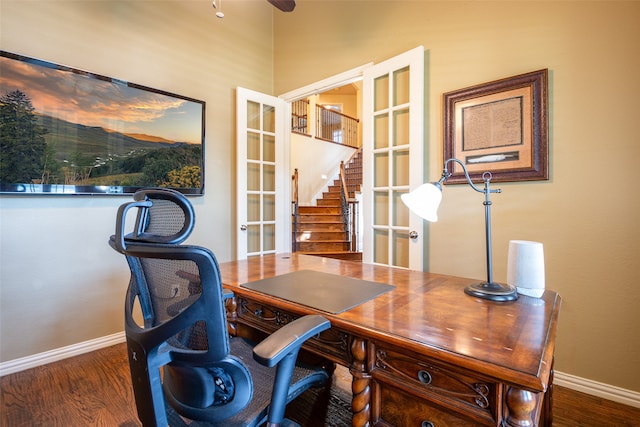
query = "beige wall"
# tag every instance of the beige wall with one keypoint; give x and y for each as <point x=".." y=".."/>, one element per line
<point x="318" y="165"/>
<point x="60" y="283"/>
<point x="587" y="213"/>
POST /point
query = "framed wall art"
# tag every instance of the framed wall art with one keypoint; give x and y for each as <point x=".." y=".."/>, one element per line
<point x="68" y="131"/>
<point x="500" y="127"/>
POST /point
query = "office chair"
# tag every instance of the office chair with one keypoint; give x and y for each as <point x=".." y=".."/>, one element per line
<point x="185" y="368"/>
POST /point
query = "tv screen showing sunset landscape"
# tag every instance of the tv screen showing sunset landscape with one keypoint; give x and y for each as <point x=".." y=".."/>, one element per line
<point x="68" y="131"/>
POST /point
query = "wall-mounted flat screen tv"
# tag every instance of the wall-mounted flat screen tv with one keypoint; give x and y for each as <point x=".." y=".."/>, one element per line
<point x="68" y="131"/>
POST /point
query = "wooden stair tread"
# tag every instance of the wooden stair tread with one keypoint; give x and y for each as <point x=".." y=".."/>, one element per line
<point x="343" y="255"/>
<point x="327" y="252"/>
<point x="324" y="241"/>
<point x="321" y="230"/>
<point x="321" y="222"/>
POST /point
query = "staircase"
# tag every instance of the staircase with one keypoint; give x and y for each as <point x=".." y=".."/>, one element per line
<point x="321" y="230"/>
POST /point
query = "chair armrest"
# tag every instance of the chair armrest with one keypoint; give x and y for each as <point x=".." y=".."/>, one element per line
<point x="288" y="338"/>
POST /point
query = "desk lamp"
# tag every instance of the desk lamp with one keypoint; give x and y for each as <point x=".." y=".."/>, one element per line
<point x="424" y="202"/>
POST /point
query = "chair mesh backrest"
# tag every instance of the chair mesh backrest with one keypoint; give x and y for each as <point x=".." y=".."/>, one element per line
<point x="167" y="277"/>
<point x="174" y="285"/>
<point x="165" y="218"/>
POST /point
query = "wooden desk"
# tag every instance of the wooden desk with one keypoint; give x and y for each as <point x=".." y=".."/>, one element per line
<point x="424" y="354"/>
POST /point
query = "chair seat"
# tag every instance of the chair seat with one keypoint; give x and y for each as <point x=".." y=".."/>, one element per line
<point x="255" y="414"/>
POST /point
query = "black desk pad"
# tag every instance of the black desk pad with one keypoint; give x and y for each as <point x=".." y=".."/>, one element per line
<point x="323" y="291"/>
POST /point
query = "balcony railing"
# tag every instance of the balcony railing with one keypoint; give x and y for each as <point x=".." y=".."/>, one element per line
<point x="330" y="125"/>
<point x="300" y="116"/>
<point x="336" y="127"/>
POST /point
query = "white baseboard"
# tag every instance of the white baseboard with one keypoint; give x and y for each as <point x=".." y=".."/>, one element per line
<point x="594" y="388"/>
<point x="17" y="365"/>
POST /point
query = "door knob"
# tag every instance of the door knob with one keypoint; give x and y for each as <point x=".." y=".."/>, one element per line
<point x="413" y="235"/>
<point x="243" y="227"/>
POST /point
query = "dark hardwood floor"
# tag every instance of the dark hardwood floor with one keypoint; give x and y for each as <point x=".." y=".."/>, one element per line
<point x="94" y="390"/>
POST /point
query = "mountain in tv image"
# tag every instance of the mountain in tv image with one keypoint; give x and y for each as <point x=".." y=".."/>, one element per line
<point x="89" y="155"/>
<point x="68" y="139"/>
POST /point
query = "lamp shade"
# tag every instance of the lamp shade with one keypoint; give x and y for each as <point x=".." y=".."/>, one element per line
<point x="424" y="201"/>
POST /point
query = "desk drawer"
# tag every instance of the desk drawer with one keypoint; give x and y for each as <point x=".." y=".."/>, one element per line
<point x="404" y="410"/>
<point x="264" y="317"/>
<point x="450" y="387"/>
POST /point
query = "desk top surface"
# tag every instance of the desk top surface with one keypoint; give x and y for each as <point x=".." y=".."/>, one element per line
<point x="429" y="314"/>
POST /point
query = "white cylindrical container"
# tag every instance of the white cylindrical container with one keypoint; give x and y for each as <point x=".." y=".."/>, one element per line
<point x="525" y="268"/>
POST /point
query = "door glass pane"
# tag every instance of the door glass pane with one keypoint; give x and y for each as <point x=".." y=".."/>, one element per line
<point x="381" y="93"/>
<point x="269" y="179"/>
<point x="380" y="208"/>
<point x="401" y="86"/>
<point x="269" y="115"/>
<point x="401" y="127"/>
<point x="269" y="237"/>
<point x="253" y="207"/>
<point x="253" y="238"/>
<point x="253" y="146"/>
<point x="253" y="176"/>
<point x="400" y="210"/>
<point x="269" y="207"/>
<point x="381" y="169"/>
<point x="380" y="246"/>
<point x="381" y="131"/>
<point x="253" y="115"/>
<point x="401" y="167"/>
<point x="400" y="249"/>
<point x="269" y="151"/>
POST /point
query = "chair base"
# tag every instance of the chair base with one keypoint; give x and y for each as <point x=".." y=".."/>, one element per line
<point x="255" y="414"/>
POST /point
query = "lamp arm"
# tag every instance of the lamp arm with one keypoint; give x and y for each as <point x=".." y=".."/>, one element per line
<point x="485" y="176"/>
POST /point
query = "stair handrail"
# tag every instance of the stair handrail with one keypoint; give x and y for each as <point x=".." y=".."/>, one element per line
<point x="294" y="210"/>
<point x="343" y="181"/>
<point x="348" y="209"/>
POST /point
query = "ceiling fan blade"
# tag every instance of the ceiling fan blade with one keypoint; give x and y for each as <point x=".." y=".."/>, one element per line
<point x="284" y="5"/>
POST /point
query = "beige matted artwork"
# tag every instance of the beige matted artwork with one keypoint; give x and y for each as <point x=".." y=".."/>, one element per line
<point x="500" y="127"/>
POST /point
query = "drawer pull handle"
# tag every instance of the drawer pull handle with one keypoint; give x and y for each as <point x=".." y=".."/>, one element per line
<point x="427" y="424"/>
<point x="425" y="378"/>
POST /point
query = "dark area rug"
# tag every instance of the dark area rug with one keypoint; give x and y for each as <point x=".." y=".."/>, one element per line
<point x="321" y="407"/>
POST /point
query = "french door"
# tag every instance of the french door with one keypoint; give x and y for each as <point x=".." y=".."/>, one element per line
<point x="393" y="141"/>
<point x="262" y="185"/>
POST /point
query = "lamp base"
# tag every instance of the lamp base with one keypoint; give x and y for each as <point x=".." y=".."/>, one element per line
<point x="492" y="291"/>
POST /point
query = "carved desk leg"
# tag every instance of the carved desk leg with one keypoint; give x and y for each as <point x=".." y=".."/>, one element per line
<point x="231" y="307"/>
<point x="521" y="406"/>
<point x="361" y="385"/>
<point x="547" y="403"/>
